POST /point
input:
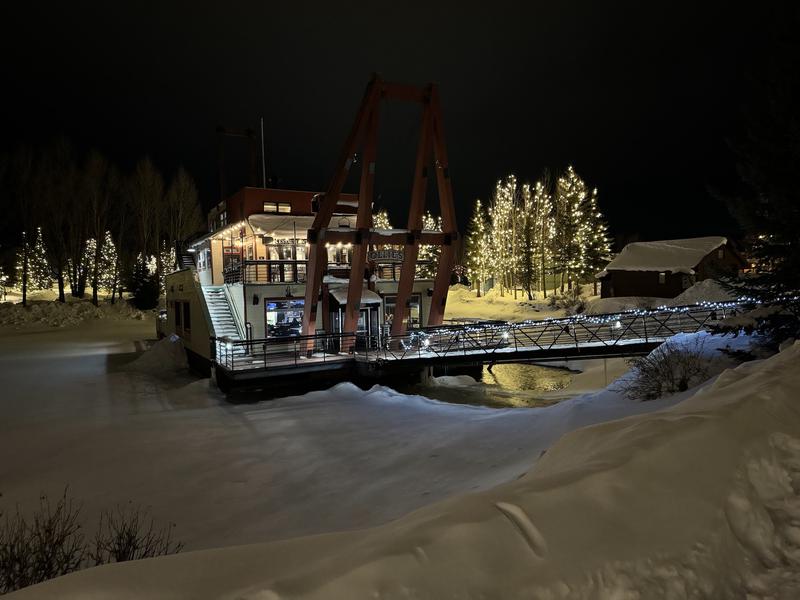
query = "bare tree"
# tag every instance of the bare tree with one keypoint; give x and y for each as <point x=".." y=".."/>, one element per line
<point x="146" y="189"/>
<point x="54" y="193"/>
<point x="101" y="188"/>
<point x="183" y="211"/>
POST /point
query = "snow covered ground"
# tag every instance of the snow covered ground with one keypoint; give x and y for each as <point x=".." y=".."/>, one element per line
<point x="463" y="303"/>
<point x="414" y="496"/>
<point x="698" y="500"/>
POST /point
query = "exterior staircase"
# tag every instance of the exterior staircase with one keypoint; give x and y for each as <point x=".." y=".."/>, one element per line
<point x="220" y="311"/>
<point x="185" y="260"/>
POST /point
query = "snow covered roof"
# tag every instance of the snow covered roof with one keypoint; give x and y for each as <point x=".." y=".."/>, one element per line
<point x="281" y="226"/>
<point x="676" y="256"/>
<point x="367" y="296"/>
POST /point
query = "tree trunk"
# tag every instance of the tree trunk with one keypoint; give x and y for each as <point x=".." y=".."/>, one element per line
<point x="95" y="271"/>
<point x="25" y="273"/>
<point x="60" y="279"/>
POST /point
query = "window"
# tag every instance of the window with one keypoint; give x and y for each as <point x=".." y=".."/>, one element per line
<point x="278" y="207"/>
<point x="187" y="317"/>
<point x="662" y="278"/>
<point x="283" y="317"/>
<point x="721" y="253"/>
<point x="414" y="310"/>
<point x="177" y="315"/>
<point x="223" y="219"/>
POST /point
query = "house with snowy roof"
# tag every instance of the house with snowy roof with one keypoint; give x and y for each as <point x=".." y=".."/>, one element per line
<point x="665" y="268"/>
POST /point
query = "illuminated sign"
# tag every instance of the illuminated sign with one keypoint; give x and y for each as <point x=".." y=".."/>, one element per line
<point x="385" y="256"/>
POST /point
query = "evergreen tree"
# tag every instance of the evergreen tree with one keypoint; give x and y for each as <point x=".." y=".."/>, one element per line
<point x="40" y="275"/>
<point x="107" y="268"/>
<point x="572" y="227"/>
<point x="428" y="256"/>
<point x="598" y="247"/>
<point x="479" y="248"/>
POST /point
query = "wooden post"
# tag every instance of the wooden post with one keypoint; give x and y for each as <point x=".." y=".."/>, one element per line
<point x="317" y="253"/>
<point x="447" y="256"/>
<point x="411" y="248"/>
<point x="363" y="223"/>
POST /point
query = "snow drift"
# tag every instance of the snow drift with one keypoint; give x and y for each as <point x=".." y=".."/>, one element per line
<point x="63" y="314"/>
<point x="700" y="500"/>
<point x="166" y="356"/>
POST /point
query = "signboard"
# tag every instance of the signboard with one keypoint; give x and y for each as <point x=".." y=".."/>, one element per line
<point x="385" y="256"/>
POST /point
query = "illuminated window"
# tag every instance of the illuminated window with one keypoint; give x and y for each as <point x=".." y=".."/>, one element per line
<point x="278" y="207"/>
<point x="662" y="278"/>
<point x="721" y="253"/>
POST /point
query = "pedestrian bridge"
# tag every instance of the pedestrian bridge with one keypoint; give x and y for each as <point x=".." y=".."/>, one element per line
<point x="622" y="334"/>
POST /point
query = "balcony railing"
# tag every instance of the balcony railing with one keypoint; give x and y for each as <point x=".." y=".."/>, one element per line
<point x="294" y="271"/>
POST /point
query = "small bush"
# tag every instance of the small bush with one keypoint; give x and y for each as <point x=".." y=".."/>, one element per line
<point x="570" y="301"/>
<point x="52" y="542"/>
<point x="669" y="369"/>
<point x="127" y="535"/>
<point x="50" y="545"/>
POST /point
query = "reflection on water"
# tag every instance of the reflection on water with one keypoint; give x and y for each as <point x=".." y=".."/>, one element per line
<point x="511" y="384"/>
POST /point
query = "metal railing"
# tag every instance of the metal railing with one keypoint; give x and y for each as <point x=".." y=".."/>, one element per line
<point x="283" y="352"/>
<point x="480" y="339"/>
<point x="484" y="341"/>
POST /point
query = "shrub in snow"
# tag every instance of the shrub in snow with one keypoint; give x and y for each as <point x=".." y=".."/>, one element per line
<point x="49" y="545"/>
<point x="129" y="534"/>
<point x="668" y="369"/>
<point x="570" y="300"/>
<point x="52" y="543"/>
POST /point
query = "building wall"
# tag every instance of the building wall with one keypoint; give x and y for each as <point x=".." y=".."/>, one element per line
<point x="643" y="283"/>
<point x="182" y="287"/>
<point x="248" y="201"/>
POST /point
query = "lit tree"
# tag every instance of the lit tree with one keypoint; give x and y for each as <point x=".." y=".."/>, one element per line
<point x="40" y="276"/>
<point x="479" y="248"/>
<point x="503" y="214"/>
<point x="428" y="256"/>
<point x="598" y="248"/>
<point x="571" y="227"/>
<point x="380" y="220"/>
<point x="543" y="226"/>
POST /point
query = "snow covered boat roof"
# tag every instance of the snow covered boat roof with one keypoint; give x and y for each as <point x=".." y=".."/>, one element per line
<point x="367" y="296"/>
<point x="676" y="256"/>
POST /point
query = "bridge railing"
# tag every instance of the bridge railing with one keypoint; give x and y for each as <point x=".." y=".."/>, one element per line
<point x="581" y="331"/>
<point x="478" y="339"/>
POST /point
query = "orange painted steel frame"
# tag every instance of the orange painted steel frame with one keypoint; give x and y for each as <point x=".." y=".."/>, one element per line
<point x="364" y="136"/>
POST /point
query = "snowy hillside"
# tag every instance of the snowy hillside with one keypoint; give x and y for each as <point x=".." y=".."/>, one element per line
<point x="698" y="500"/>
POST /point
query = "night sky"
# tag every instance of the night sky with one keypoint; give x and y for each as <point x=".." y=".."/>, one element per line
<point x="639" y="96"/>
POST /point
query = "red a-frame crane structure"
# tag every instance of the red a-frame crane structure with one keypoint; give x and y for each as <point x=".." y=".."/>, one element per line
<point x="431" y="151"/>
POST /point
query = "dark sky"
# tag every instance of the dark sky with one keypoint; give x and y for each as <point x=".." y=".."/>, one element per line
<point x="639" y="96"/>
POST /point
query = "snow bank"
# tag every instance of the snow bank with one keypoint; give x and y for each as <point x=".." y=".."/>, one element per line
<point x="58" y="314"/>
<point x="707" y="290"/>
<point x="696" y="501"/>
<point x="164" y="357"/>
<point x="604" y="306"/>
